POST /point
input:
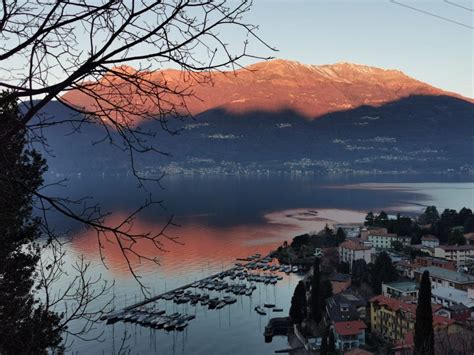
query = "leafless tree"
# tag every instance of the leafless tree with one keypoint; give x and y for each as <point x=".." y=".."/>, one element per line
<point x="50" y="47"/>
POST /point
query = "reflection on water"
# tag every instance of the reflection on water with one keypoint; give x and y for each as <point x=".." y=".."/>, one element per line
<point x="221" y="220"/>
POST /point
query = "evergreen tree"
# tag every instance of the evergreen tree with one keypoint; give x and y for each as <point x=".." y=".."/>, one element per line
<point x="469" y="225"/>
<point x="331" y="343"/>
<point x="463" y="215"/>
<point x="316" y="296"/>
<point x="298" y="307"/>
<point x="382" y="271"/>
<point x="323" y="350"/>
<point x="381" y="220"/>
<point x="430" y="215"/>
<point x="456" y="237"/>
<point x="326" y="291"/>
<point x="340" y="236"/>
<point x="369" y="219"/>
<point x="360" y="271"/>
<point x="424" y="333"/>
<point x="26" y="327"/>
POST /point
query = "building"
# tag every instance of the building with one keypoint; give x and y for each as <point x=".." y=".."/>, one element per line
<point x="339" y="282"/>
<point x="346" y="306"/>
<point x="349" y="335"/>
<point x="426" y="261"/>
<point x="385" y="241"/>
<point x="366" y="231"/>
<point x="391" y="319"/>
<point x="456" y="312"/>
<point x="447" y="296"/>
<point x="446" y="278"/>
<point x="406" y="268"/>
<point x="350" y="230"/>
<point x="457" y="253"/>
<point x="401" y="290"/>
<point x="469" y="238"/>
<point x="429" y="241"/>
<point x="351" y="250"/>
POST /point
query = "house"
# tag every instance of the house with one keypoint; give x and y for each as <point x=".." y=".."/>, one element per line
<point x="366" y="231"/>
<point x="352" y="250"/>
<point x="339" y="282"/>
<point x="430" y="241"/>
<point x="425" y="261"/>
<point x="440" y="277"/>
<point x="447" y="296"/>
<point x="385" y="241"/>
<point x="401" y="290"/>
<point x="391" y="319"/>
<point x="346" y="306"/>
<point x="406" y="268"/>
<point x="349" y="335"/>
<point x="457" y="312"/>
<point x="457" y="253"/>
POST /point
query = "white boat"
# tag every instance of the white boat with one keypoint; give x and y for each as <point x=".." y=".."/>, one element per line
<point x="260" y="310"/>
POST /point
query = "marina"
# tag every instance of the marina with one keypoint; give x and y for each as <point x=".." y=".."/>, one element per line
<point x="213" y="292"/>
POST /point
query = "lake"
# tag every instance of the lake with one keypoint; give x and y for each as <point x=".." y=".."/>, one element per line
<point x="219" y="219"/>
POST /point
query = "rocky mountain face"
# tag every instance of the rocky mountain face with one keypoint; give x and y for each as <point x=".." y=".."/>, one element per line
<point x="280" y="116"/>
<point x="309" y="90"/>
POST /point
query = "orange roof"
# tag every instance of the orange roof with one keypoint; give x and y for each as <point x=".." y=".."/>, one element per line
<point x="395" y="305"/>
<point x="352" y="327"/>
<point x="352" y="245"/>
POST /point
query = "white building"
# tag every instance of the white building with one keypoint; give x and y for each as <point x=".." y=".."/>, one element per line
<point x="352" y="250"/>
<point x="457" y="253"/>
<point x="448" y="296"/>
<point x="405" y="289"/>
<point x="429" y="241"/>
<point x="385" y="241"/>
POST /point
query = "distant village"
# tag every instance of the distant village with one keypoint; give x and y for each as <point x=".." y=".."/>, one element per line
<point x="366" y="283"/>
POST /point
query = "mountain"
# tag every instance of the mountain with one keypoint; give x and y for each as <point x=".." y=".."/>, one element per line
<point x="284" y="117"/>
<point x="309" y="90"/>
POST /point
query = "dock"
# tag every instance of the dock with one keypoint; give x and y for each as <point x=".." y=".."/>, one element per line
<point x="239" y="280"/>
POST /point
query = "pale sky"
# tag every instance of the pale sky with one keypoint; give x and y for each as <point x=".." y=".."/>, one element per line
<point x="377" y="33"/>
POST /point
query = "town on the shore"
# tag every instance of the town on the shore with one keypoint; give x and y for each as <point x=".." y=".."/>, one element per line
<point x="392" y="285"/>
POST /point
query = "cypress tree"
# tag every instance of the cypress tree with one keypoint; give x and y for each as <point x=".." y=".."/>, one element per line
<point x="331" y="343"/>
<point x="323" y="350"/>
<point x="298" y="304"/>
<point x="424" y="333"/>
<point x="316" y="297"/>
<point x="340" y="236"/>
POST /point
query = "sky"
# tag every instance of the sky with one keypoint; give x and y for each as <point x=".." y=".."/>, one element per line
<point x="380" y="33"/>
<point x="377" y="33"/>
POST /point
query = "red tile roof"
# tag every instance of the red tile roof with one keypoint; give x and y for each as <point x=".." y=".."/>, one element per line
<point x="353" y="327"/>
<point x="396" y="305"/>
<point x="352" y="245"/>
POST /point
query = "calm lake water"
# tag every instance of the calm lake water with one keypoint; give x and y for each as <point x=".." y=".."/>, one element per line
<point x="219" y="220"/>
